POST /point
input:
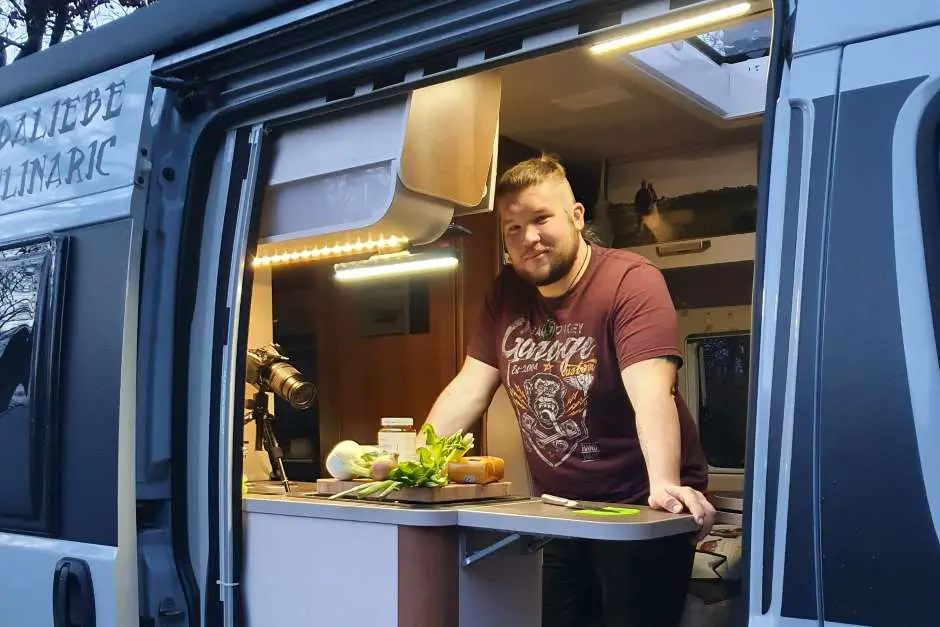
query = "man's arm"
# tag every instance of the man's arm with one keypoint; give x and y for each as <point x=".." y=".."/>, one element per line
<point x="465" y="398"/>
<point x="650" y="385"/>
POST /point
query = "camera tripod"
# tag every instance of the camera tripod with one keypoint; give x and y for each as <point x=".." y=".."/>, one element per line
<point x="264" y="434"/>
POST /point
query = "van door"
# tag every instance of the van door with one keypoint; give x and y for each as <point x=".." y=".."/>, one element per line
<point x="845" y="488"/>
<point x="72" y="187"/>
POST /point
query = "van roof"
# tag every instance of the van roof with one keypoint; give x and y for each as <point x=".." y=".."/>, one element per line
<point x="161" y="28"/>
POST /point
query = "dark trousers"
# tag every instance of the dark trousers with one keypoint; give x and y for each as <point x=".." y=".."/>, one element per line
<point x="616" y="584"/>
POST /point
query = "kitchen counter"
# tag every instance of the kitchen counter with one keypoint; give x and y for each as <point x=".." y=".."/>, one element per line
<point x="533" y="517"/>
<point x="352" y="511"/>
<point x="309" y="559"/>
<point x="525" y="516"/>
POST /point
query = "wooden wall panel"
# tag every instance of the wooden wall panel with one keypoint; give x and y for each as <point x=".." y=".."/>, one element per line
<point x="479" y="265"/>
<point x="363" y="379"/>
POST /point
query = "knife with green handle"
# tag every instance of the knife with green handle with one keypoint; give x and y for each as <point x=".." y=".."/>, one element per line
<point x="570" y="504"/>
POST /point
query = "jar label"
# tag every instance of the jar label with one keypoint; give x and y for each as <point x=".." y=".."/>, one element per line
<point x="403" y="443"/>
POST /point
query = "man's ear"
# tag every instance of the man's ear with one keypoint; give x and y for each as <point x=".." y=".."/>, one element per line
<point x="577" y="214"/>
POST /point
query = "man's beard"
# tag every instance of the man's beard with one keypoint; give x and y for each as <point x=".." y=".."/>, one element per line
<point x="557" y="269"/>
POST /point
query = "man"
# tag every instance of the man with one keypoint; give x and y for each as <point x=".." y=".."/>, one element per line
<point x="584" y="339"/>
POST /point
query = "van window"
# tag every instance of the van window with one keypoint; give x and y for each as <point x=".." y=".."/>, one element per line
<point x="722" y="364"/>
<point x="28" y="298"/>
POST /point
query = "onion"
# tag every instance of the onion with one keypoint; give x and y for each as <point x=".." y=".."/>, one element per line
<point x="382" y="466"/>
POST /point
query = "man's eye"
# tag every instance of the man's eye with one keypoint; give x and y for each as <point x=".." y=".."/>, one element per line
<point x="541" y="220"/>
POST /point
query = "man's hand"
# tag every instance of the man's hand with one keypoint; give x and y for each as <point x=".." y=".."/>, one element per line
<point x="674" y="498"/>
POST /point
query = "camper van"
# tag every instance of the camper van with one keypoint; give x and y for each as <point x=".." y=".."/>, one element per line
<point x="230" y="242"/>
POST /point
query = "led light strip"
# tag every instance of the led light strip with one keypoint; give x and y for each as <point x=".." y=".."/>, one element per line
<point x="670" y="29"/>
<point x="394" y="265"/>
<point x="383" y="244"/>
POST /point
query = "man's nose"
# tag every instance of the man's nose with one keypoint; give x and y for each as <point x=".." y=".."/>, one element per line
<point x="531" y="235"/>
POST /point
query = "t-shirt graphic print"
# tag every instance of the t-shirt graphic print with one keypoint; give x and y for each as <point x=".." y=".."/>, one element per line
<point x="548" y="381"/>
<point x="560" y="361"/>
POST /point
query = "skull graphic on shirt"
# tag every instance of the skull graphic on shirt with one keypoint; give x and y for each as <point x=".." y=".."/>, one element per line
<point x="548" y="382"/>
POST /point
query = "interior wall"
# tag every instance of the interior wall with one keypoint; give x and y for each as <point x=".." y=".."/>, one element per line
<point x="687" y="173"/>
<point x="363" y="378"/>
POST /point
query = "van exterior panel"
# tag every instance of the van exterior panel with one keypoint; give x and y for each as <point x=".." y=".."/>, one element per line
<point x="800" y="594"/>
<point x="880" y="551"/>
<point x="827" y="23"/>
<point x="800" y="597"/>
<point x="69" y="214"/>
<point x="781" y="352"/>
<point x="92" y="341"/>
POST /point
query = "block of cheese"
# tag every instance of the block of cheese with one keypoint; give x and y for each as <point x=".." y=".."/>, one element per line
<point x="481" y="469"/>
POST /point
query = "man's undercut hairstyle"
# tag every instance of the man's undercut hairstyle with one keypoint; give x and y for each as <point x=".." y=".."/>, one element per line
<point x="530" y="173"/>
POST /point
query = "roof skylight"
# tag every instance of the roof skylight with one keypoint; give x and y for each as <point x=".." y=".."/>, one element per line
<point x="724" y="70"/>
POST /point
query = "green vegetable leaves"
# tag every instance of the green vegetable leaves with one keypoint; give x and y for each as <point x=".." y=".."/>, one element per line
<point x="429" y="471"/>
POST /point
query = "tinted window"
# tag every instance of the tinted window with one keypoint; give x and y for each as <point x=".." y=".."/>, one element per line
<point x="723" y="366"/>
<point x="28" y="309"/>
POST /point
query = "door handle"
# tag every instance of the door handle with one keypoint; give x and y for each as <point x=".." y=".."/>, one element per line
<point x="73" y="594"/>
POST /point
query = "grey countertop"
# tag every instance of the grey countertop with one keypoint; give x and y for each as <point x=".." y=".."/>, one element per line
<point x="537" y="518"/>
<point x="529" y="516"/>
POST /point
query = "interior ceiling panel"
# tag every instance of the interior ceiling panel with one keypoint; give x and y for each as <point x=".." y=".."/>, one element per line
<point x="572" y="104"/>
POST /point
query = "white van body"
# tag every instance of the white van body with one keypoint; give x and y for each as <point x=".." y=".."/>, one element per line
<point x="130" y="159"/>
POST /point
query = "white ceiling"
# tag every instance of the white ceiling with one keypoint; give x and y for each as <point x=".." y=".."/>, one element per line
<point x="587" y="108"/>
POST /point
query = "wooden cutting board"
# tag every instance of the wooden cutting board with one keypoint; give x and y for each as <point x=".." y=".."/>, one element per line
<point x="450" y="492"/>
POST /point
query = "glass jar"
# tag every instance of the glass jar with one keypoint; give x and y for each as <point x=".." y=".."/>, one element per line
<point x="398" y="435"/>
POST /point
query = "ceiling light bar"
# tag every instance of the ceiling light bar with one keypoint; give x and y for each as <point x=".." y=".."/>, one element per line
<point x="671" y="29"/>
<point x="394" y="264"/>
<point x="382" y="244"/>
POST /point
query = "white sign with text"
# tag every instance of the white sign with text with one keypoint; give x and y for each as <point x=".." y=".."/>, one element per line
<point x="73" y="141"/>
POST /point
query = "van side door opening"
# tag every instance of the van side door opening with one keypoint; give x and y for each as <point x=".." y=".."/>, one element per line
<point x="324" y="445"/>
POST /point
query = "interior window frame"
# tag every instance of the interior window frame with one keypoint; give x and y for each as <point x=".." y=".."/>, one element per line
<point x="692" y="397"/>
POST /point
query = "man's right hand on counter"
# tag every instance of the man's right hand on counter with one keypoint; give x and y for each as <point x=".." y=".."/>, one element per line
<point x="675" y="498"/>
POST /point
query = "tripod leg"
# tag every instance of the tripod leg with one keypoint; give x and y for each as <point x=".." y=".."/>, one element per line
<point x="275" y="450"/>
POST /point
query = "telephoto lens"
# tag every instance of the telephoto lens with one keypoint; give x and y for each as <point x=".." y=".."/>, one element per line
<point x="269" y="371"/>
<point x="288" y="384"/>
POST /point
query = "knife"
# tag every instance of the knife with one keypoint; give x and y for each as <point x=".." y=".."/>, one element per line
<point x="562" y="502"/>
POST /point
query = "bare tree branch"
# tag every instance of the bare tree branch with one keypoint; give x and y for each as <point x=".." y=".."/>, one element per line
<point x="28" y="26"/>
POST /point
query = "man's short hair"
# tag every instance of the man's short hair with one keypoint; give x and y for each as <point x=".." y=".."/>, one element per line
<point x="530" y="173"/>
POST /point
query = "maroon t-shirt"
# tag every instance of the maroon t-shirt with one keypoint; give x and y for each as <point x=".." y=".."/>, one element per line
<point x="560" y="360"/>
